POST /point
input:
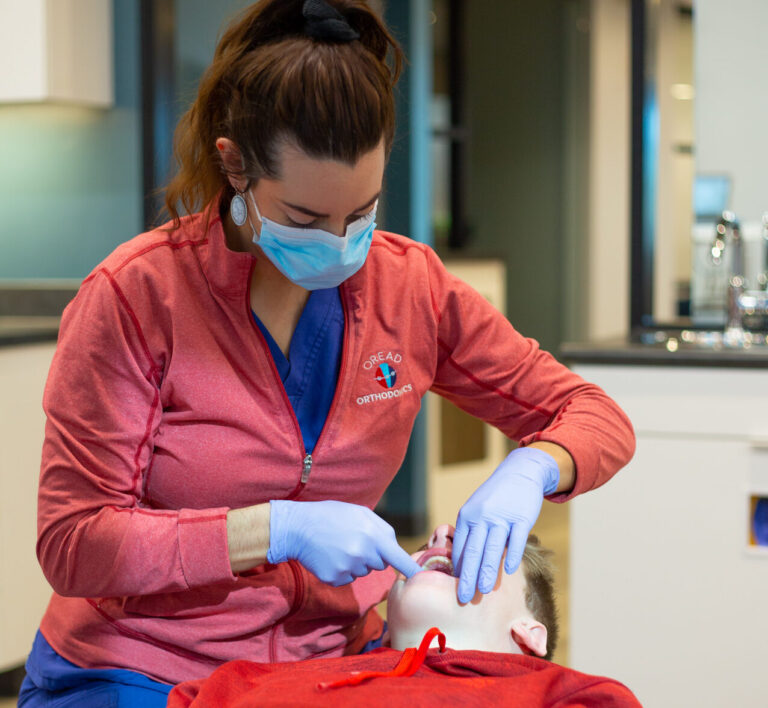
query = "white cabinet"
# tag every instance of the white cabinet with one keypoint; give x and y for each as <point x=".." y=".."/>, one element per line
<point x="667" y="593"/>
<point x="56" y="50"/>
<point x="24" y="592"/>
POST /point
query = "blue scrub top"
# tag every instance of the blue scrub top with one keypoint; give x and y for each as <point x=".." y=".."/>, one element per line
<point x="311" y="370"/>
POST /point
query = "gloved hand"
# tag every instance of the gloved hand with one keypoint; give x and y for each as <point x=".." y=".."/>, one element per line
<point x="336" y="541"/>
<point x="503" y="508"/>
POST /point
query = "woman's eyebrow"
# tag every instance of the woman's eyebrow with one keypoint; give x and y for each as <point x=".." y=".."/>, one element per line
<point x="309" y="212"/>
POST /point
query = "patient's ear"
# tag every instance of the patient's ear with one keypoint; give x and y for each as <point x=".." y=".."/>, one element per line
<point x="530" y="635"/>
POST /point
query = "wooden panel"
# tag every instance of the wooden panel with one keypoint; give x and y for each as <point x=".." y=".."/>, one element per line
<point x="462" y="437"/>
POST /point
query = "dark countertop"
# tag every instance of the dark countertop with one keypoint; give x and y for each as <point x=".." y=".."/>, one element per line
<point x="30" y="310"/>
<point x="30" y="313"/>
<point x="28" y="330"/>
<point x="15" y="331"/>
<point x="624" y="352"/>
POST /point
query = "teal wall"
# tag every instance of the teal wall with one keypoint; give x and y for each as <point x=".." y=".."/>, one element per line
<point x="199" y="25"/>
<point x="70" y="177"/>
<point x="514" y="71"/>
<point x="527" y="153"/>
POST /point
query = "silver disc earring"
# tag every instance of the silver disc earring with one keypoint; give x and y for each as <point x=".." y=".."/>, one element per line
<point x="238" y="209"/>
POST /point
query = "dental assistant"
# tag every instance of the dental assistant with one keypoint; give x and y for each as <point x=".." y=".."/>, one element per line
<point x="233" y="392"/>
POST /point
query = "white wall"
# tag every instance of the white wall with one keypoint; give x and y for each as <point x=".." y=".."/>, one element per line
<point x="731" y="56"/>
<point x="674" y="193"/>
<point x="607" y="281"/>
<point x="24" y="592"/>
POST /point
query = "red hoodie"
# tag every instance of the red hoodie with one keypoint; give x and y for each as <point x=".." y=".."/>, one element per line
<point x="386" y="677"/>
<point x="164" y="410"/>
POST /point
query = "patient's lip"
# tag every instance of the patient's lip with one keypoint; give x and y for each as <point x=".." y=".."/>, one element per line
<point x="431" y="553"/>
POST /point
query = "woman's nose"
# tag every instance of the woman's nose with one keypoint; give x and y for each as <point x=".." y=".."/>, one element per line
<point x="337" y="228"/>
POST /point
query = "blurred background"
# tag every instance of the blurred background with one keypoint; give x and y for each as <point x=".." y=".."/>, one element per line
<point x="570" y="159"/>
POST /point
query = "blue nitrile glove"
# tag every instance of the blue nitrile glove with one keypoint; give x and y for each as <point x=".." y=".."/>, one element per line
<point x="336" y="541"/>
<point x="504" y="507"/>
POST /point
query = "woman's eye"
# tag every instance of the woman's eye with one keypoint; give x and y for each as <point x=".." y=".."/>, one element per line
<point x="297" y="224"/>
<point x="291" y="222"/>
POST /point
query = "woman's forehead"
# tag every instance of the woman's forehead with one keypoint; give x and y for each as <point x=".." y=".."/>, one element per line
<point x="304" y="177"/>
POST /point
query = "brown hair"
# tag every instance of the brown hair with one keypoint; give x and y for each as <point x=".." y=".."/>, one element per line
<point x="540" y="589"/>
<point x="270" y="83"/>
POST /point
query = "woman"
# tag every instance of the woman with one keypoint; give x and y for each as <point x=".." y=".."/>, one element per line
<point x="232" y="393"/>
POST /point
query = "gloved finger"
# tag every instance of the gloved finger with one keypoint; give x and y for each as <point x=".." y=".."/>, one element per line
<point x="517" y="540"/>
<point x="359" y="567"/>
<point x="377" y="563"/>
<point x="470" y="562"/>
<point x="395" y="556"/>
<point x="333" y="578"/>
<point x="459" y="539"/>
<point x="341" y="579"/>
<point x="494" y="549"/>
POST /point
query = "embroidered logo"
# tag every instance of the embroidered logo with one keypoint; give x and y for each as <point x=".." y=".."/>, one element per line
<point x="385" y="396"/>
<point x="386" y="376"/>
<point x="375" y="359"/>
<point x="379" y="367"/>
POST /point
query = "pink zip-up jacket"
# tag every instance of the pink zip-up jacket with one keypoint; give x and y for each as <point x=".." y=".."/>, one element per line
<point x="165" y="410"/>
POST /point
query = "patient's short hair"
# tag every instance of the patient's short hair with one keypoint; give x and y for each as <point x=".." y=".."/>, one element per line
<point x="540" y="589"/>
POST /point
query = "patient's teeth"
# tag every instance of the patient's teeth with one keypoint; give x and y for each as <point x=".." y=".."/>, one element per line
<point x="440" y="563"/>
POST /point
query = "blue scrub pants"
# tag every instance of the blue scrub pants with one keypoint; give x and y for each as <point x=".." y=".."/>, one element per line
<point x="54" y="682"/>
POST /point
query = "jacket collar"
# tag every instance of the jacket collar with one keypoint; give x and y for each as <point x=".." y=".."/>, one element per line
<point x="226" y="270"/>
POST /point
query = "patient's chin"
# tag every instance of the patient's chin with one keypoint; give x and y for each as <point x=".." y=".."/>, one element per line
<point x="427" y="599"/>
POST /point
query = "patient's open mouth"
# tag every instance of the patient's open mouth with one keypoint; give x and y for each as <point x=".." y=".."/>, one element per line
<point x="438" y="559"/>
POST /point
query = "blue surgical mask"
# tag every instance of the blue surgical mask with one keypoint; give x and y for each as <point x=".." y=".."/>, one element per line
<point x="313" y="258"/>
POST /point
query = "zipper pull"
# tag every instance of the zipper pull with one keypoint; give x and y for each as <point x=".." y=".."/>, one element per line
<point x="307" y="469"/>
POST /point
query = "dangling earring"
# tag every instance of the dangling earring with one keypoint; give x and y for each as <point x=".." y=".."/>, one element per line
<point x="238" y="209"/>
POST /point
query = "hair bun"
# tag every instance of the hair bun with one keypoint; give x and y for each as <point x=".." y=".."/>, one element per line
<point x="325" y="22"/>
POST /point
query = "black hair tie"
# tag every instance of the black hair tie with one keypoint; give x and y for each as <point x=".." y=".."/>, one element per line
<point x="326" y="22"/>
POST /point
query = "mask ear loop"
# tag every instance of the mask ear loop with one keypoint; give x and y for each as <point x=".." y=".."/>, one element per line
<point x="256" y="236"/>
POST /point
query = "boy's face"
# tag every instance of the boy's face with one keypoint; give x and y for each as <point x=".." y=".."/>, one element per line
<point x="496" y="621"/>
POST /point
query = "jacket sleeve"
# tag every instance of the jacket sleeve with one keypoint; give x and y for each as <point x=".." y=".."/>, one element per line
<point x="492" y="372"/>
<point x="102" y="402"/>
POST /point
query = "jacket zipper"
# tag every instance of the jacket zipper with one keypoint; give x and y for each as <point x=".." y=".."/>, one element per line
<point x="272" y="365"/>
<point x="307" y="469"/>
<point x="307" y="460"/>
<point x="306" y="465"/>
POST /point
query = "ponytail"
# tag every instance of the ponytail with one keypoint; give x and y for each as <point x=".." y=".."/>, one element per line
<point x="271" y="83"/>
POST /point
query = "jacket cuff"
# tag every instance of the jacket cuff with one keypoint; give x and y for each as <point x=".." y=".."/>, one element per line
<point x="203" y="546"/>
<point x="585" y="458"/>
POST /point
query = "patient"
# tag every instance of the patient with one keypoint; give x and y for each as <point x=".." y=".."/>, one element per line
<point x="517" y="616"/>
<point x="495" y="646"/>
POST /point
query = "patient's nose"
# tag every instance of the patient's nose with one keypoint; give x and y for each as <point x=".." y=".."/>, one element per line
<point x="442" y="537"/>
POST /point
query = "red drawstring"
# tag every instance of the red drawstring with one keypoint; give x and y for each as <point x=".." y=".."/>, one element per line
<point x="408" y="665"/>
